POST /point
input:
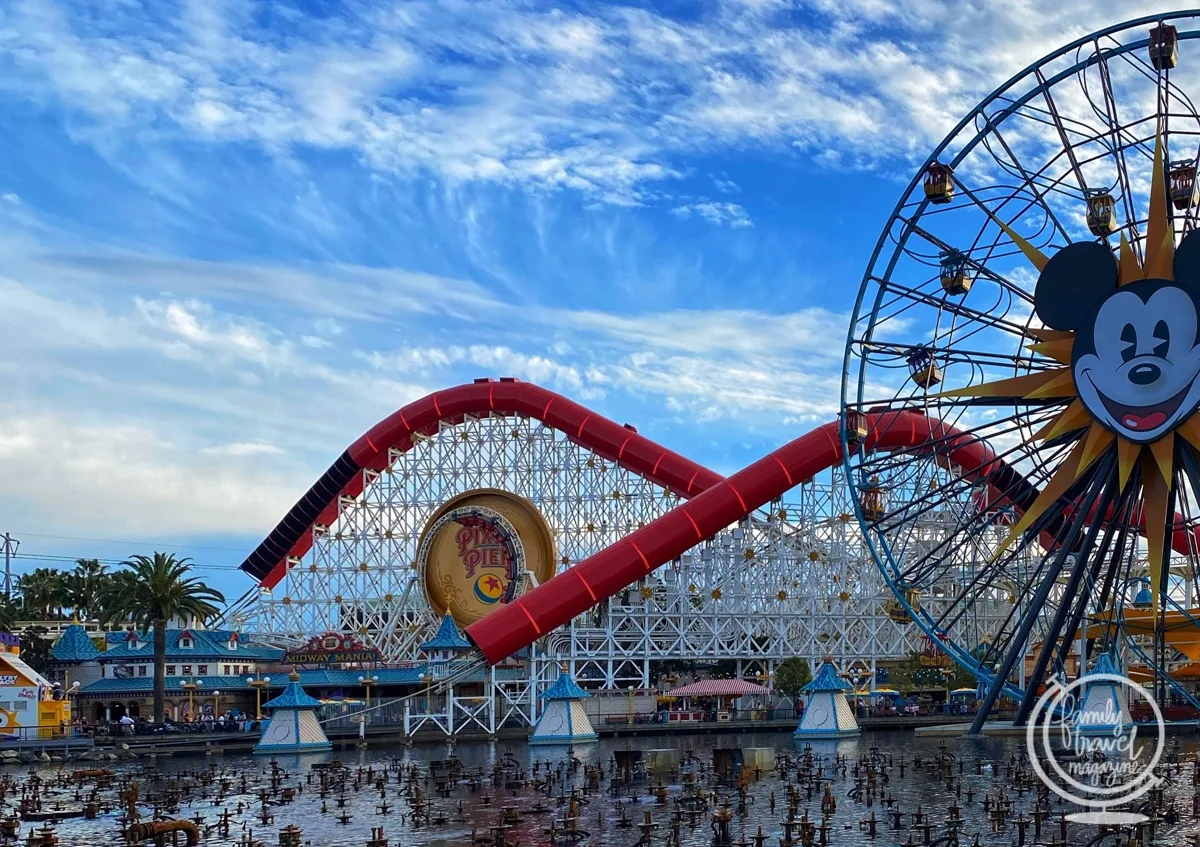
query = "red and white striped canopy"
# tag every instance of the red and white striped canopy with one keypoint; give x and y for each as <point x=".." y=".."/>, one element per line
<point x="718" y="688"/>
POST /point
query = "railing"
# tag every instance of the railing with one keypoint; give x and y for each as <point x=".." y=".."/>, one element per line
<point x="32" y="736"/>
<point x="387" y="713"/>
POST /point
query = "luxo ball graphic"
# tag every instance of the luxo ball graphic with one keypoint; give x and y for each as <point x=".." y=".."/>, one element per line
<point x="480" y="550"/>
<point x="1136" y="356"/>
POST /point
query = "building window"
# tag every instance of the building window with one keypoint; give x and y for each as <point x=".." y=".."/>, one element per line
<point x="185" y="644"/>
<point x="21" y="706"/>
<point x="228" y="670"/>
<point x="141" y="670"/>
<point x="202" y="670"/>
<point x="187" y="670"/>
<point x="245" y="669"/>
<point x="170" y="670"/>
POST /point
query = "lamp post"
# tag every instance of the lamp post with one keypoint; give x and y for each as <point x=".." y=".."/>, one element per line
<point x="947" y="673"/>
<point x="424" y="682"/>
<point x="190" y="686"/>
<point x="216" y="705"/>
<point x="631" y="704"/>
<point x="855" y="678"/>
<point x="366" y="682"/>
<point x="258" y="684"/>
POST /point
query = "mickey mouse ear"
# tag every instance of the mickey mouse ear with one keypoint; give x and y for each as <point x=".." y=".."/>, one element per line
<point x="1187" y="260"/>
<point x="1074" y="282"/>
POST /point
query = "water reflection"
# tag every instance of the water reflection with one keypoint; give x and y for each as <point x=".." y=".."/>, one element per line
<point x="612" y="817"/>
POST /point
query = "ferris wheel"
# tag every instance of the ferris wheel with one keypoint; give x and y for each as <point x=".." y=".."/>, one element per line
<point x="1023" y="368"/>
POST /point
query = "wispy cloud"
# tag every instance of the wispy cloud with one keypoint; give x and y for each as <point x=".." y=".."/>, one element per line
<point x="222" y="391"/>
<point x="243" y="448"/>
<point x="728" y="214"/>
<point x="233" y="240"/>
<point x="604" y="101"/>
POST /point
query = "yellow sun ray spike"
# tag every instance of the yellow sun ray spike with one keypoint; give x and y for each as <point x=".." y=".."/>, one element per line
<point x="1163" y="451"/>
<point x="1190" y="430"/>
<point x="1017" y="386"/>
<point x="1098" y="440"/>
<point x="1062" y="385"/>
<point x="1154" y="495"/>
<point x="1043" y="334"/>
<point x="1160" y="240"/>
<point x="1130" y="269"/>
<point x="1073" y="417"/>
<point x="1059" y="351"/>
<point x="1035" y="256"/>
<point x="1127" y="454"/>
<point x="1163" y="266"/>
<point x="1054" y="488"/>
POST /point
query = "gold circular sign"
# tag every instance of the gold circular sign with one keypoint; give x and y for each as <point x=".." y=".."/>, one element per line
<point x="474" y="551"/>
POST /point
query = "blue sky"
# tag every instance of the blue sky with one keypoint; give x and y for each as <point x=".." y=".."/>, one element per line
<point x="234" y="235"/>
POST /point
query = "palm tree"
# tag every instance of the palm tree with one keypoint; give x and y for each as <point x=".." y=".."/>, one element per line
<point x="83" y="587"/>
<point x="9" y="611"/>
<point x="156" y="591"/>
<point x="42" y="593"/>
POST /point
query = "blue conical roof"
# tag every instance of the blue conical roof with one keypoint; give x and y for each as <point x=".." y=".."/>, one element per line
<point x="564" y="688"/>
<point x="293" y="697"/>
<point x="448" y="637"/>
<point x="827" y="679"/>
<point x="74" y="645"/>
<point x="1104" y="664"/>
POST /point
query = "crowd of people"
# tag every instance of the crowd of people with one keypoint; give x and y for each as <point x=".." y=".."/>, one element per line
<point x="127" y="725"/>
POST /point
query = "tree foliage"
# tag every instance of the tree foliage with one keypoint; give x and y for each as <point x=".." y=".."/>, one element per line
<point x="35" y="648"/>
<point x="82" y="587"/>
<point x="912" y="674"/>
<point x="43" y="594"/>
<point x="155" y="590"/>
<point x="792" y="675"/>
<point x="89" y="591"/>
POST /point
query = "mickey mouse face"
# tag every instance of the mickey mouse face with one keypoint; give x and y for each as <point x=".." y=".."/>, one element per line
<point x="1136" y="358"/>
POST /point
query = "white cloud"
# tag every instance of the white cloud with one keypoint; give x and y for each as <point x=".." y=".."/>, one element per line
<point x="243" y="448"/>
<point x="605" y="101"/>
<point x="195" y="411"/>
<point x="493" y="359"/>
<point x="722" y="214"/>
<point x="130" y="478"/>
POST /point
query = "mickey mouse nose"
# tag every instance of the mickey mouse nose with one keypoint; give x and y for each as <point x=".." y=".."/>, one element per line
<point x="1144" y="374"/>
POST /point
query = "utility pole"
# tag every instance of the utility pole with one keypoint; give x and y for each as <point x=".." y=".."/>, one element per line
<point x="10" y="549"/>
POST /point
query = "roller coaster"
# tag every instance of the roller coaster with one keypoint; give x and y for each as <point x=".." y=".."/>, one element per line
<point x="977" y="490"/>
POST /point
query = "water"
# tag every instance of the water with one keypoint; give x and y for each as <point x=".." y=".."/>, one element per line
<point x="599" y="810"/>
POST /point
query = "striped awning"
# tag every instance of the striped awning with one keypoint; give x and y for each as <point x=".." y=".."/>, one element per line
<point x="718" y="688"/>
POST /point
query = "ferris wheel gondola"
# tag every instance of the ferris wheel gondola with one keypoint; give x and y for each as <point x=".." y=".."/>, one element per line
<point x="1037" y="290"/>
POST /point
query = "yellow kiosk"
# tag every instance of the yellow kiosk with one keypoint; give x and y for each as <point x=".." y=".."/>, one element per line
<point x="27" y="699"/>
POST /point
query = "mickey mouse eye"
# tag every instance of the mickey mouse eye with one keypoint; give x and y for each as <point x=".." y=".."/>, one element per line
<point x="1129" y="338"/>
<point x="1162" y="334"/>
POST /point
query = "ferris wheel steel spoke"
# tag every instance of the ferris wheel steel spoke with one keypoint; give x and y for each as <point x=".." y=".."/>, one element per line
<point x="1122" y="561"/>
<point x="1042" y="177"/>
<point x="1110" y="106"/>
<point x="988" y="273"/>
<point x="1107" y="477"/>
<point x="1062" y="132"/>
<point x="1016" y="648"/>
<point x="932" y="557"/>
<point x="1029" y="180"/>
<point x="921" y="299"/>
